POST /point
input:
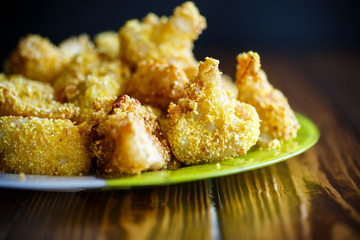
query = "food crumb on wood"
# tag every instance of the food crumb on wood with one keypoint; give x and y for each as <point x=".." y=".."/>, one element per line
<point x="22" y="176"/>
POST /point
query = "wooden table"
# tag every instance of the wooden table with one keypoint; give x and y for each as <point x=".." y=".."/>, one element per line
<point x="313" y="196"/>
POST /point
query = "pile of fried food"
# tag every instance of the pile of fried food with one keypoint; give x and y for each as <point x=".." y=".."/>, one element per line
<point x="133" y="101"/>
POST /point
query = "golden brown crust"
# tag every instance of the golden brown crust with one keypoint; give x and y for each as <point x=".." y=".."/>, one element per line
<point x="157" y="84"/>
<point x="90" y="89"/>
<point x="206" y="125"/>
<point x="278" y="119"/>
<point x="43" y="146"/>
<point x="36" y="58"/>
<point x="82" y="65"/>
<point x="108" y="42"/>
<point x="23" y="97"/>
<point x="126" y="137"/>
<point x="165" y="40"/>
<point x="150" y="60"/>
<point x="88" y="76"/>
<point x="75" y="45"/>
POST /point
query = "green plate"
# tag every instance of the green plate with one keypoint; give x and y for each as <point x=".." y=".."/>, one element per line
<point x="308" y="135"/>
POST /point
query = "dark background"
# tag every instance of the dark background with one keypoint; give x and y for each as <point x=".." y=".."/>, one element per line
<point x="233" y="26"/>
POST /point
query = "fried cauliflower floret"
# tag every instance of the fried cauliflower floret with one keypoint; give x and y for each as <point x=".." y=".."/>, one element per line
<point x="36" y="58"/>
<point x="165" y="40"/>
<point x="108" y="42"/>
<point x="90" y="89"/>
<point x="76" y="45"/>
<point x="157" y="84"/>
<point x="43" y="146"/>
<point x="97" y="64"/>
<point x="126" y="137"/>
<point x="88" y="76"/>
<point x="278" y="121"/>
<point x="206" y="125"/>
<point x="24" y="97"/>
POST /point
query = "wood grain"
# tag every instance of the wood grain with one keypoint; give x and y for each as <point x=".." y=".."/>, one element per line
<point x="313" y="196"/>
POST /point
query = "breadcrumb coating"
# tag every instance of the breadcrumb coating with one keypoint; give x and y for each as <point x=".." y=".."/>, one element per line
<point x="43" y="146"/>
<point x="108" y="42"/>
<point x="278" y="121"/>
<point x="90" y="89"/>
<point x="165" y="40"/>
<point x="195" y="114"/>
<point x="88" y="76"/>
<point x="24" y="97"/>
<point x="76" y="45"/>
<point x="82" y="65"/>
<point x="206" y="125"/>
<point x="126" y="137"/>
<point x="36" y="58"/>
<point x="157" y="84"/>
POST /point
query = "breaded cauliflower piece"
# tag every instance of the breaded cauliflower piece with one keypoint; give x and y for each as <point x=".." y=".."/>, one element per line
<point x="43" y="146"/>
<point x="108" y="42"/>
<point x="206" y="125"/>
<point x="90" y="89"/>
<point x="81" y="66"/>
<point x="88" y="76"/>
<point x="36" y="58"/>
<point x="165" y="40"/>
<point x="156" y="84"/>
<point x="24" y="97"/>
<point x="278" y="121"/>
<point x="76" y="45"/>
<point x="126" y="137"/>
